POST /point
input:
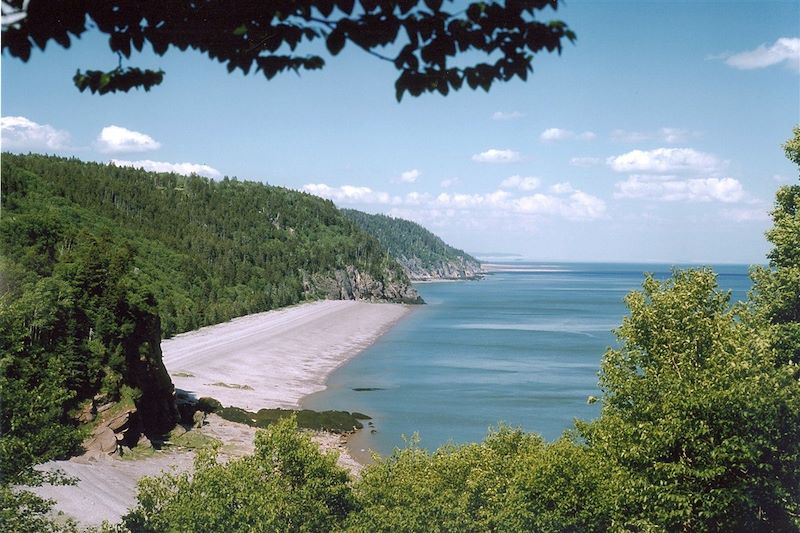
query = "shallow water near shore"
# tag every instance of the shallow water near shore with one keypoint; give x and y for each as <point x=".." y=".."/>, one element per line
<point x="521" y="347"/>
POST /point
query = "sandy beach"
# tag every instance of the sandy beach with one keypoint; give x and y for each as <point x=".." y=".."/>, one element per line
<point x="270" y="359"/>
<point x="273" y="359"/>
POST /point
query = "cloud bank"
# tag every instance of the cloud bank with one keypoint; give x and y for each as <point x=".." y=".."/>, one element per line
<point x="187" y="169"/>
<point x="726" y="190"/>
<point x="21" y="133"/>
<point x="563" y="201"/>
<point x="664" y="160"/>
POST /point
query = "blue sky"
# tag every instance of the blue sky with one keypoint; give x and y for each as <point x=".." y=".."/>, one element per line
<point x="656" y="137"/>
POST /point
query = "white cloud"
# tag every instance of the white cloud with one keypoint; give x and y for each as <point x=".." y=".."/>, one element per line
<point x="348" y="194"/>
<point x="780" y="178"/>
<point x="585" y="161"/>
<point x="186" y="169"/>
<point x="114" y="139"/>
<point x="463" y="201"/>
<point x="727" y="190"/>
<point x="565" y="202"/>
<point x="494" y="155"/>
<point x="410" y="176"/>
<point x="20" y="133"/>
<point x="449" y="182"/>
<point x="564" y="187"/>
<point x="558" y="134"/>
<point x="523" y="183"/>
<point x="578" y="206"/>
<point x="507" y="115"/>
<point x="662" y="160"/>
<point x="785" y="49"/>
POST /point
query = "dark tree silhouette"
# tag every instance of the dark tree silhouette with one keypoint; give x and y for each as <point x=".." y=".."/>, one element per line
<point x="434" y="49"/>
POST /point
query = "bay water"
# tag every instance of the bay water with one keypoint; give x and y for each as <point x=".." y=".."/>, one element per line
<point x="521" y="346"/>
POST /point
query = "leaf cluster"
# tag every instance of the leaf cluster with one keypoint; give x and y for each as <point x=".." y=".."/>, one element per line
<point x="434" y="46"/>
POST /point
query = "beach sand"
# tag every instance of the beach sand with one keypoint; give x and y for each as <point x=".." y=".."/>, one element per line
<point x="266" y="360"/>
<point x="273" y="359"/>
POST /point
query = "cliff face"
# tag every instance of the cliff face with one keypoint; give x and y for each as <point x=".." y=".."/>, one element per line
<point x="452" y="269"/>
<point x="352" y="284"/>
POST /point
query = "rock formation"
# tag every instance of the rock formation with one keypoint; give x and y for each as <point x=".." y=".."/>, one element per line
<point x="352" y="284"/>
<point x="146" y="372"/>
<point x="453" y="269"/>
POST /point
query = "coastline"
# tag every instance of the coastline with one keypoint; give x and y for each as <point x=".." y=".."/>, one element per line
<point x="274" y="359"/>
<point x="266" y="360"/>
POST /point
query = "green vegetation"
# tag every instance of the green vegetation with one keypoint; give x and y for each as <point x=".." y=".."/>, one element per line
<point x="421" y="253"/>
<point x="333" y="421"/>
<point x="208" y="251"/>
<point x="699" y="431"/>
<point x="287" y="485"/>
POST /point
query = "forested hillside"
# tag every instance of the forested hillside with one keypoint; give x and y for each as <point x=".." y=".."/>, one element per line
<point x="98" y="262"/>
<point x="209" y="251"/>
<point x="422" y="254"/>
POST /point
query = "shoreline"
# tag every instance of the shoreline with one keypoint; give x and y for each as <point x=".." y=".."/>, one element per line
<point x="275" y="359"/>
<point x="266" y="360"/>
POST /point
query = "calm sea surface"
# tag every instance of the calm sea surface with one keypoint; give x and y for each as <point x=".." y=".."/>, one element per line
<point x="521" y="347"/>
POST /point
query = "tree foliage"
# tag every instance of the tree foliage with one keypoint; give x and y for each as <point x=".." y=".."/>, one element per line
<point x="699" y="415"/>
<point x="287" y="485"/>
<point x="432" y="47"/>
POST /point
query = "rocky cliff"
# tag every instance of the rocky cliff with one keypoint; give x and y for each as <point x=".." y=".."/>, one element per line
<point x="451" y="269"/>
<point x="352" y="284"/>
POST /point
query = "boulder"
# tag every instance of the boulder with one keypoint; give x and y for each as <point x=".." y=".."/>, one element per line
<point x="102" y="442"/>
<point x="122" y="422"/>
<point x="199" y="419"/>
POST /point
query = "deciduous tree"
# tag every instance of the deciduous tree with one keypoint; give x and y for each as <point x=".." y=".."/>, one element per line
<point x="434" y="45"/>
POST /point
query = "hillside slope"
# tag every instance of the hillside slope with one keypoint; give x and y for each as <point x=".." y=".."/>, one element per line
<point x="99" y="262"/>
<point x="423" y="255"/>
<point x="209" y="250"/>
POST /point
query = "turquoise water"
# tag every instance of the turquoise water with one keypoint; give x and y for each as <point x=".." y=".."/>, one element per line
<point x="521" y="347"/>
